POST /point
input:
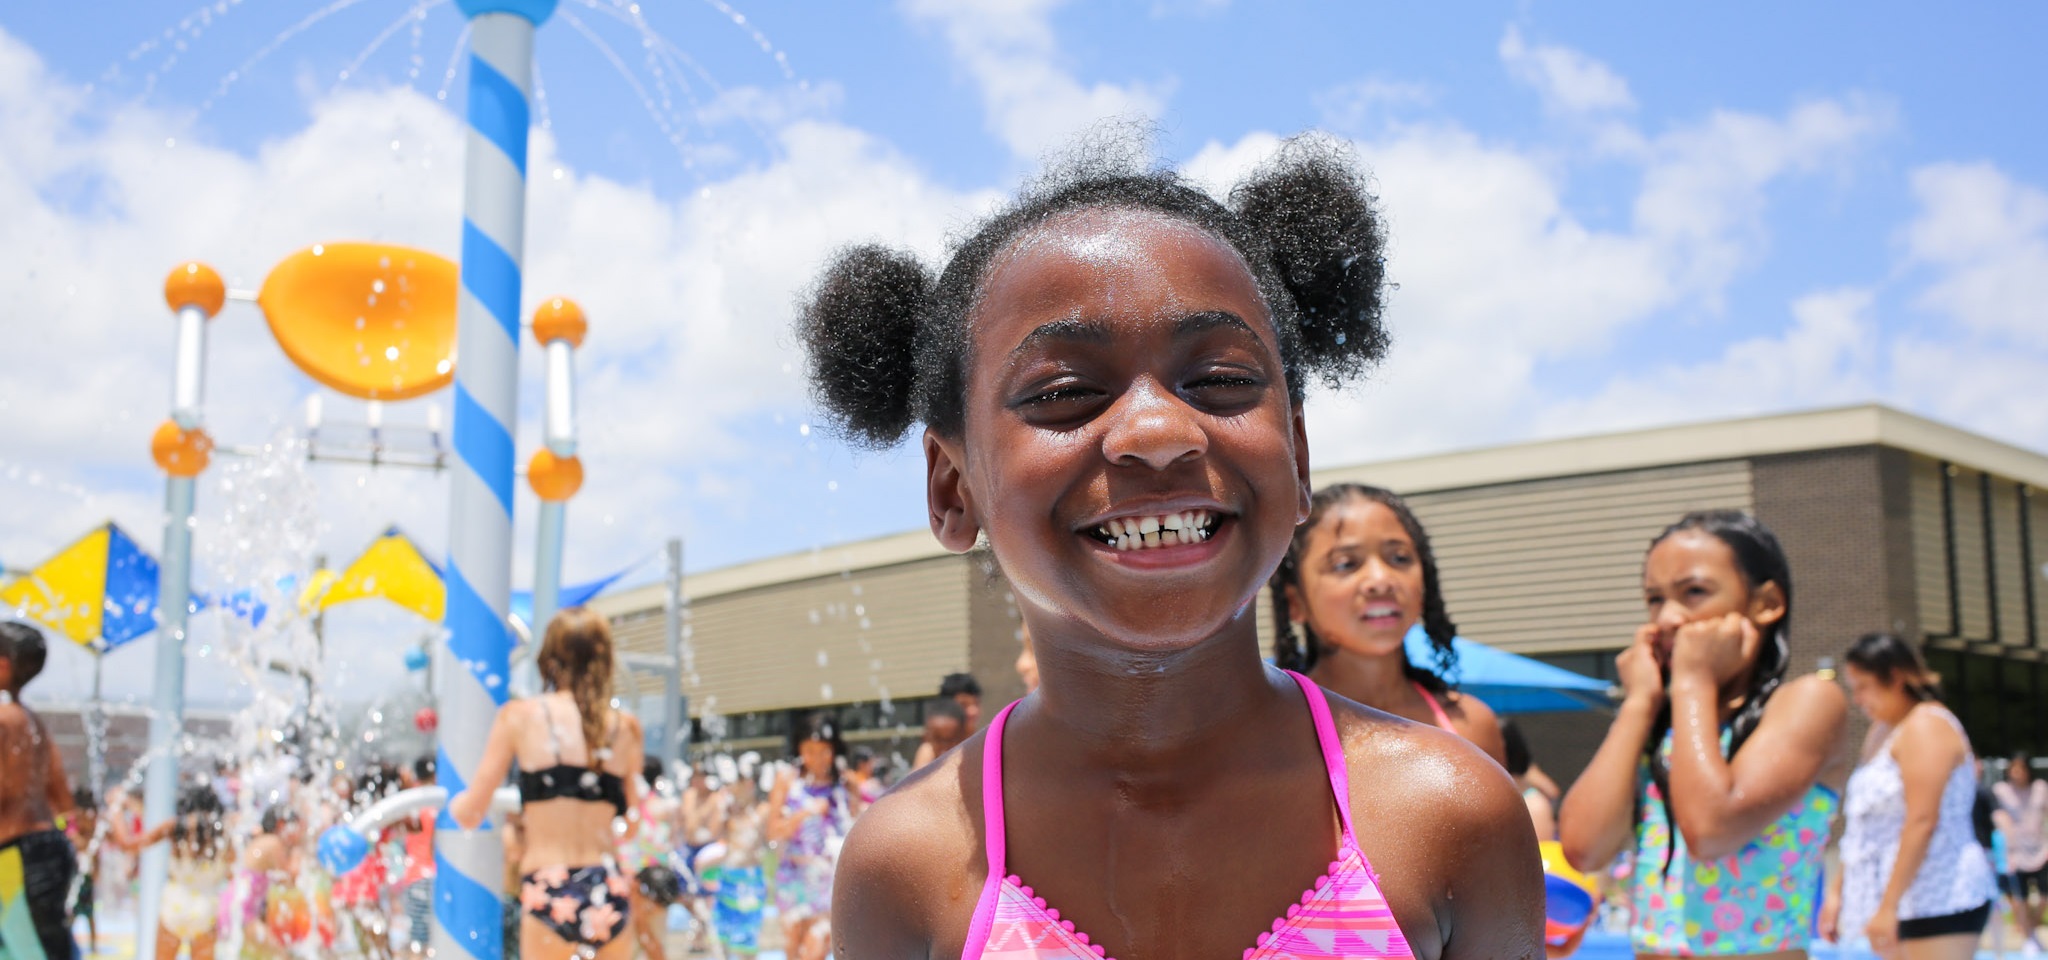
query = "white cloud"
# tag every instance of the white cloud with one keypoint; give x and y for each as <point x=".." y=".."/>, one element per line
<point x="1033" y="101"/>
<point x="1828" y="356"/>
<point x="1569" y="82"/>
<point x="1499" y="275"/>
<point x="1987" y="235"/>
<point x="1355" y="107"/>
<point x="1980" y="239"/>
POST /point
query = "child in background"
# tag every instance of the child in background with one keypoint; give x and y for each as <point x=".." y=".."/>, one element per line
<point x="416" y="885"/>
<point x="201" y="859"/>
<point x="37" y="862"/>
<point x="361" y="891"/>
<point x="272" y="914"/>
<point x="734" y="875"/>
<point x="1714" y="770"/>
<point x="945" y="727"/>
<point x="644" y="856"/>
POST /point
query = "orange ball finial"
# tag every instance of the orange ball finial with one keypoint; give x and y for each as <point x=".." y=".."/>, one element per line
<point x="194" y="284"/>
<point x="554" y="479"/>
<point x="559" y="319"/>
<point x="180" y="452"/>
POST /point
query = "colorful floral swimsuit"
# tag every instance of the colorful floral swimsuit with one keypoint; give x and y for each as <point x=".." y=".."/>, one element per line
<point x="1342" y="915"/>
<point x="1759" y="899"/>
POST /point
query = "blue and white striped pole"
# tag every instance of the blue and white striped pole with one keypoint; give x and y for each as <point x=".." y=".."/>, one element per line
<point x="470" y="864"/>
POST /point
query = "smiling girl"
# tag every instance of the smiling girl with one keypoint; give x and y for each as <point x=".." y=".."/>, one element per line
<point x="1109" y="374"/>
<point x="1357" y="577"/>
<point x="1711" y="772"/>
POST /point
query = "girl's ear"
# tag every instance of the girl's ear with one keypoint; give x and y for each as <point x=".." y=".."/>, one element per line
<point x="1306" y="489"/>
<point x="947" y="498"/>
<point x="1767" y="604"/>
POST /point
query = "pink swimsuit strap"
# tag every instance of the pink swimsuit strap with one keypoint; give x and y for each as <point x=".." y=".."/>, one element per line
<point x="992" y="814"/>
<point x="1442" y="719"/>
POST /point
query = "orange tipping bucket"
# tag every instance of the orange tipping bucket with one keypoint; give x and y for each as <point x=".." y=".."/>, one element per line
<point x="1569" y="903"/>
<point x="371" y="320"/>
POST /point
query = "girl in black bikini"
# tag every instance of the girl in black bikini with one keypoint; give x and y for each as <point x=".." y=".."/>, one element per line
<point x="576" y="755"/>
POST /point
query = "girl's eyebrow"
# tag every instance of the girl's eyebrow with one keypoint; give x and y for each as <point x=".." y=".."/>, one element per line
<point x="1065" y="331"/>
<point x="1095" y="332"/>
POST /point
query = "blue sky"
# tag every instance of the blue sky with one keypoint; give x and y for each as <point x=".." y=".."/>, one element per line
<point x="1603" y="216"/>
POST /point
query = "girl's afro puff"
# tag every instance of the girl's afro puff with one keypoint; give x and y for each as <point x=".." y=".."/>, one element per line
<point x="888" y="344"/>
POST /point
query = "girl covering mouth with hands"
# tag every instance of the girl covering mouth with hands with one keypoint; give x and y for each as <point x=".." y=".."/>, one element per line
<point x="1712" y="770"/>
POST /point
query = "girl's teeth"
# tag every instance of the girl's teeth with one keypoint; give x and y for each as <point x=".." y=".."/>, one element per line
<point x="1165" y="530"/>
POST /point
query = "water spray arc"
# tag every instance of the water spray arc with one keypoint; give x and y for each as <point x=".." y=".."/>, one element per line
<point x="470" y="864"/>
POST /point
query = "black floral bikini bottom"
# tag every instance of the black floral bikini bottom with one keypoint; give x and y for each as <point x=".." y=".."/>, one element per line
<point x="587" y="906"/>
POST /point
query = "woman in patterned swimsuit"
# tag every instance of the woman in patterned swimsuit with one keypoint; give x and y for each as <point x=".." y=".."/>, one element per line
<point x="1110" y="374"/>
<point x="1715" y="764"/>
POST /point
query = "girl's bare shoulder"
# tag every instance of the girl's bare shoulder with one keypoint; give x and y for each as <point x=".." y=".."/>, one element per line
<point x="1445" y="830"/>
<point x="913" y="864"/>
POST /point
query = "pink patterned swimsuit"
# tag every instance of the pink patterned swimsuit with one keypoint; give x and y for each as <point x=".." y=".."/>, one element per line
<point x="1342" y="915"/>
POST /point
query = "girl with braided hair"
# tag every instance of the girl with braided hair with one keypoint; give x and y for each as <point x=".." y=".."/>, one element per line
<point x="1357" y="577"/>
<point x="1110" y="376"/>
<point x="1714" y="764"/>
<point x="579" y="760"/>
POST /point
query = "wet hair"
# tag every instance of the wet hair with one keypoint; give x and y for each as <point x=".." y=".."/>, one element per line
<point x="372" y="785"/>
<point x="887" y="338"/>
<point x="424" y="769"/>
<point x="956" y="684"/>
<point x="576" y="656"/>
<point x="1517" y="747"/>
<point x="1760" y="559"/>
<point x="1300" y="652"/>
<point x="24" y="647"/>
<point x="83" y="799"/>
<point x="819" y="726"/>
<point x="650" y="768"/>
<point x="276" y="816"/>
<point x="201" y="824"/>
<point x="945" y="707"/>
<point x="1887" y="656"/>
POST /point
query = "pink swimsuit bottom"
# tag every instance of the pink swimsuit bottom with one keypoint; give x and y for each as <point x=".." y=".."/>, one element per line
<point x="1342" y="915"/>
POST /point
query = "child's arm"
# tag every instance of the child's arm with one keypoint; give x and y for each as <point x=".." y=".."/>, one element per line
<point x="1598" y="815"/>
<point x="473" y="804"/>
<point x="1720" y="805"/>
<point x="782" y="822"/>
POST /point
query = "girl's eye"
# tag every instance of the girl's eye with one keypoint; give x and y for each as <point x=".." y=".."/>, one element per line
<point x="1055" y="396"/>
<point x="1226" y="389"/>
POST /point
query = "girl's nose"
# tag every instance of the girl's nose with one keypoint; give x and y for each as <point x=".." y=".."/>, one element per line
<point x="1151" y="426"/>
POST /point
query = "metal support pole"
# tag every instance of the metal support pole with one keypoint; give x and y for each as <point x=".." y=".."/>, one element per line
<point x="194" y="292"/>
<point x="167" y="704"/>
<point x="675" y="718"/>
<point x="547" y="566"/>
<point x="469" y="864"/>
<point x="96" y="734"/>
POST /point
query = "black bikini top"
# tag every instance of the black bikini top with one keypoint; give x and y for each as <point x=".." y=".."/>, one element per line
<point x="566" y="782"/>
